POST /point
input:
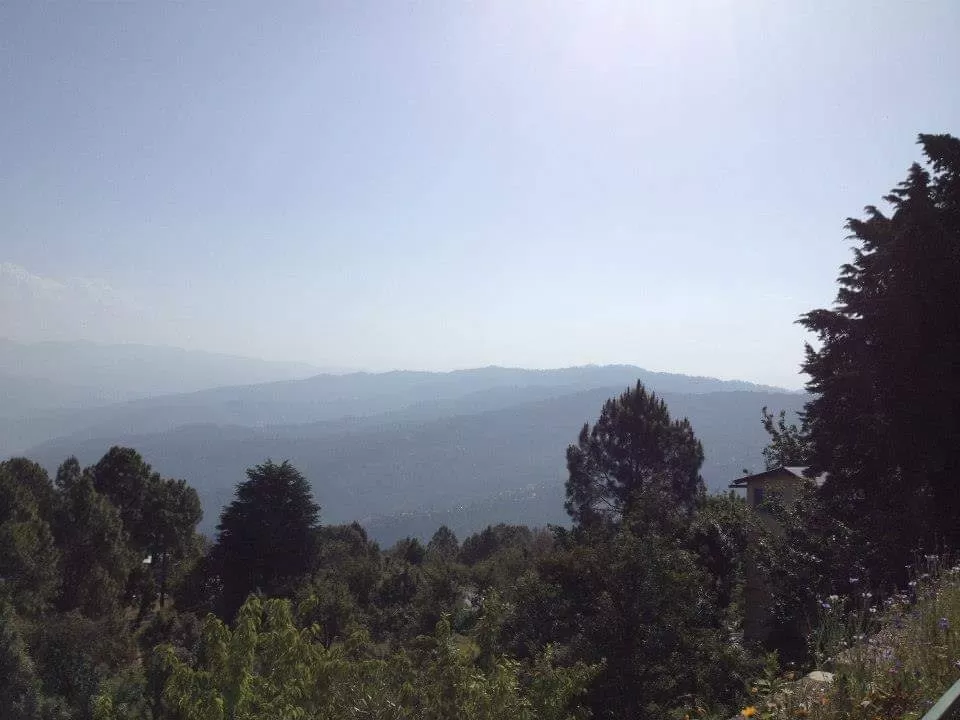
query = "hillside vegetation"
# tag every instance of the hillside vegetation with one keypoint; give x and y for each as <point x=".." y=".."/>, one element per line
<point x="892" y="657"/>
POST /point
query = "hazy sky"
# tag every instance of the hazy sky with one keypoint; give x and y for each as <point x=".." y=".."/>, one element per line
<point x="450" y="184"/>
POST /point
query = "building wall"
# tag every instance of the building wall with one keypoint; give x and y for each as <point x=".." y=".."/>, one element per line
<point x="786" y="485"/>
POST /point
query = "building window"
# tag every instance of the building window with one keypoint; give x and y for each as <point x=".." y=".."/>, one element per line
<point x="757" y="496"/>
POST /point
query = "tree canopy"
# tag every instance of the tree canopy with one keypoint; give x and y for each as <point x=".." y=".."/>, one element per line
<point x="633" y="448"/>
<point x="885" y="416"/>
<point x="266" y="534"/>
<point x="789" y="443"/>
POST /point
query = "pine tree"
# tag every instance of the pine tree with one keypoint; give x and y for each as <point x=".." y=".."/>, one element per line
<point x="443" y="546"/>
<point x="124" y="478"/>
<point x="159" y="515"/>
<point x="630" y="584"/>
<point x="171" y="513"/>
<point x="29" y="561"/>
<point x="634" y="447"/>
<point x="96" y="560"/>
<point x="33" y="479"/>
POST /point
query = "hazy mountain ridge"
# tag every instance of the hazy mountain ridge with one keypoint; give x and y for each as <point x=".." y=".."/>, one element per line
<point x="327" y="397"/>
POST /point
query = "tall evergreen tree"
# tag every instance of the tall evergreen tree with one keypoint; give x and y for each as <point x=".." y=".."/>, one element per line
<point x="443" y="546"/>
<point x="266" y="536"/>
<point x="123" y="477"/>
<point x="96" y="560"/>
<point x="159" y="515"/>
<point x="885" y="418"/>
<point x="29" y="561"/>
<point x="634" y="447"/>
<point x="34" y="480"/>
<point x="171" y="513"/>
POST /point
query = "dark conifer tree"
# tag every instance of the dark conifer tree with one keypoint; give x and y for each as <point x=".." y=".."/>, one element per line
<point x="443" y="546"/>
<point x="885" y="419"/>
<point x="172" y="511"/>
<point x="95" y="558"/>
<point x="29" y="561"/>
<point x="266" y="536"/>
<point x="634" y="449"/>
<point x="123" y="477"/>
<point x="34" y="480"/>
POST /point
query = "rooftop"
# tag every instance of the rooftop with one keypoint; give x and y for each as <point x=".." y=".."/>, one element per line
<point x="798" y="471"/>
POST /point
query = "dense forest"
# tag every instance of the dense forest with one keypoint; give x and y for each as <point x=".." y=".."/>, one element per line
<point x="113" y="606"/>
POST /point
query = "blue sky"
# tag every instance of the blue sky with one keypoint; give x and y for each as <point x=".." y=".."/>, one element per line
<point x="440" y="185"/>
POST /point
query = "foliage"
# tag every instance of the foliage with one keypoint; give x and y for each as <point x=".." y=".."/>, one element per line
<point x="33" y="479"/>
<point x="272" y="666"/>
<point x="789" y="443"/>
<point x="632" y="585"/>
<point x="409" y="550"/>
<point x="482" y="545"/>
<point x="331" y="607"/>
<point x="443" y="546"/>
<point x="638" y="600"/>
<point x="884" y="419"/>
<point x="95" y="557"/>
<point x="29" y="560"/>
<point x="171" y="513"/>
<point x="265" y="539"/>
<point x="811" y="555"/>
<point x="634" y="446"/>
<point x="346" y="554"/>
<point x="721" y="532"/>
<point x="122" y="477"/>
<point x="71" y="572"/>
<point x="499" y="555"/>
<point x="75" y="654"/>
<point x="891" y="657"/>
<point x="20" y="697"/>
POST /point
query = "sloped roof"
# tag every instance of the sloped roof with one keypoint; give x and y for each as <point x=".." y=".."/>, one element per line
<point x="797" y="471"/>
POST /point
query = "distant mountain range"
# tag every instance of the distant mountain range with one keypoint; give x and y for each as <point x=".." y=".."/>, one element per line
<point x="402" y="451"/>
